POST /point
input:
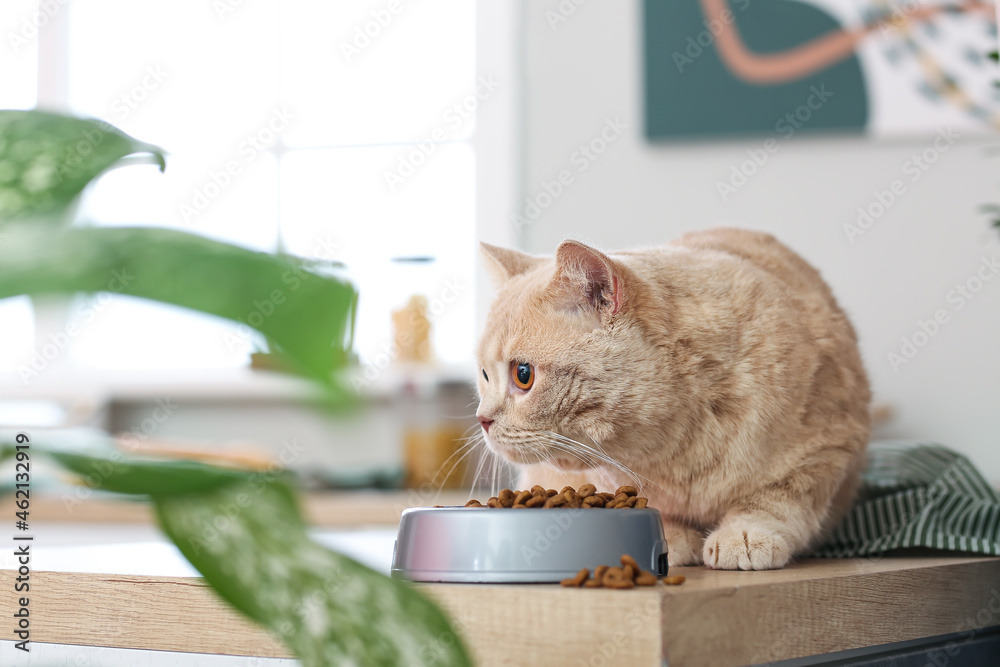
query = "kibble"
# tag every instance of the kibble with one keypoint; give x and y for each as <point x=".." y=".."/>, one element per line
<point x="624" y="497"/>
<point x="506" y="498"/>
<point x="629" y="575"/>
<point x="616" y="577"/>
<point x="645" y="579"/>
<point x="578" y="580"/>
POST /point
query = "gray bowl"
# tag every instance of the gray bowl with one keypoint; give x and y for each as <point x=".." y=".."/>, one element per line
<point x="496" y="545"/>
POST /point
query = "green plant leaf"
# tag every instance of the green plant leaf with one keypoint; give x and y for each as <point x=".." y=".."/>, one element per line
<point x="244" y="532"/>
<point x="306" y="313"/>
<point x="93" y="456"/>
<point x="6" y="451"/>
<point x="46" y="160"/>
<point x="117" y="473"/>
<point x="249" y="541"/>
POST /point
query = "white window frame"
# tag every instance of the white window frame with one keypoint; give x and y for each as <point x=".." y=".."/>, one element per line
<point x="499" y="138"/>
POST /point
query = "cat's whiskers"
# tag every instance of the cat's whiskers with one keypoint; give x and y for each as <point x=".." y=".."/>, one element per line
<point x="596" y="466"/>
<point x="575" y="446"/>
<point x="638" y="480"/>
<point x="468" y="448"/>
<point x="592" y="462"/>
<point x="548" y="458"/>
<point x="540" y="446"/>
<point x="470" y="441"/>
<point x="484" y="455"/>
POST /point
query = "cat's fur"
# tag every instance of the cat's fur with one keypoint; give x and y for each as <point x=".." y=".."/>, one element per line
<point x="719" y="368"/>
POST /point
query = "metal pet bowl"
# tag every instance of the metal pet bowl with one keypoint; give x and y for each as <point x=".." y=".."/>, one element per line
<point x="497" y="545"/>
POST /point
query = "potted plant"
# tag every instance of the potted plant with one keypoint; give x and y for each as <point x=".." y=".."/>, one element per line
<point x="241" y="529"/>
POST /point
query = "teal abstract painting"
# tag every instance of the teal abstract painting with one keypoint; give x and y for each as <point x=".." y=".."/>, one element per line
<point x="737" y="67"/>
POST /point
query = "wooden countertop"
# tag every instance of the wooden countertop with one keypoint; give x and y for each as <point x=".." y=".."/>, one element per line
<point x="714" y="618"/>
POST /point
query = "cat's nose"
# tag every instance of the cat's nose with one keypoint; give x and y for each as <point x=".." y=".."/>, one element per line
<point x="485" y="423"/>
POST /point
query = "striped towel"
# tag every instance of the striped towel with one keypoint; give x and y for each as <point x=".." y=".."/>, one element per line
<point x="918" y="495"/>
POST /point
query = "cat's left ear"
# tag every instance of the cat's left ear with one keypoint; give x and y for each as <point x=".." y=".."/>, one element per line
<point x="504" y="263"/>
<point x="593" y="278"/>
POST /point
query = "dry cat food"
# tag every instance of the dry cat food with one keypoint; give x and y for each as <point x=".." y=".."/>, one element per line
<point x="625" y="497"/>
<point x="629" y="575"/>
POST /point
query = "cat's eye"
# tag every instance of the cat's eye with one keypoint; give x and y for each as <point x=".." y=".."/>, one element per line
<point x="523" y="375"/>
<point x="485" y="377"/>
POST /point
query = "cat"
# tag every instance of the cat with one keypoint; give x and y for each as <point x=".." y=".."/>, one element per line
<point x="717" y="373"/>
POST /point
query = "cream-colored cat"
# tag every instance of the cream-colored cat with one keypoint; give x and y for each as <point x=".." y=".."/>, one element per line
<point x="717" y="371"/>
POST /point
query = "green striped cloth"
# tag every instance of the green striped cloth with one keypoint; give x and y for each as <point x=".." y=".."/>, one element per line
<point x="918" y="495"/>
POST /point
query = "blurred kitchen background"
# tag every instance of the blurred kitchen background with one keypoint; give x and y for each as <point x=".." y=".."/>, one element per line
<point x="392" y="136"/>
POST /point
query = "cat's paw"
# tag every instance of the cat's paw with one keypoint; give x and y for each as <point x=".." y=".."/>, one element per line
<point x="683" y="544"/>
<point x="744" y="546"/>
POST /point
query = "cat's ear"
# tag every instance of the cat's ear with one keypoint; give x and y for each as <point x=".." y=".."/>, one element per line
<point x="591" y="276"/>
<point x="503" y="263"/>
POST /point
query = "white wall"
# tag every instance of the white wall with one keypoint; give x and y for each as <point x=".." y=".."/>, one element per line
<point x="899" y="272"/>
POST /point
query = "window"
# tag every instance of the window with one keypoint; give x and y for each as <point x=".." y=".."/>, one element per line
<point x="341" y="131"/>
<point x="18" y="80"/>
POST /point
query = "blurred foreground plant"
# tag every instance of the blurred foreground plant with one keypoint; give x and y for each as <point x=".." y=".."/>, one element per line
<point x="242" y="530"/>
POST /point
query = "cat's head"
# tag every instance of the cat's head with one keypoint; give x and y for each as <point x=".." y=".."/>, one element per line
<point x="559" y="354"/>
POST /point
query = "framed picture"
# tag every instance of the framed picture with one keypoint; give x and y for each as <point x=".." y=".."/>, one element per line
<point x="778" y="67"/>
